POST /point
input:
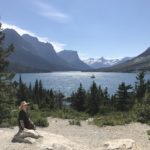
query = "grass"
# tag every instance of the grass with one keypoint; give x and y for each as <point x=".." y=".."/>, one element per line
<point x="112" y="119"/>
<point x="68" y="114"/>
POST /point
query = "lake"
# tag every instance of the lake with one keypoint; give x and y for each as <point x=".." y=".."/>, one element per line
<point x="67" y="82"/>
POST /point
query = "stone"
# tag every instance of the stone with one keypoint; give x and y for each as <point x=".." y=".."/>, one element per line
<point x="121" y="144"/>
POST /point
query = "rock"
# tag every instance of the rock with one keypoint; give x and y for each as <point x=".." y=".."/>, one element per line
<point x="120" y="144"/>
<point x="89" y="120"/>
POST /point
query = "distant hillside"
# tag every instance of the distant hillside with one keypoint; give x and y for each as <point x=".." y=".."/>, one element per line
<point x="31" y="55"/>
<point x="47" y="52"/>
<point x="141" y="62"/>
<point x="72" y="58"/>
<point x="102" y="62"/>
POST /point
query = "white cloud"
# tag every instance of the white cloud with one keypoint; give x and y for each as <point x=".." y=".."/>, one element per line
<point x="52" y="13"/>
<point x="23" y="31"/>
<point x="58" y="46"/>
<point x="19" y="30"/>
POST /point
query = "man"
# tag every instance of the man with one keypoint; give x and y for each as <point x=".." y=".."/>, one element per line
<point x="26" y="126"/>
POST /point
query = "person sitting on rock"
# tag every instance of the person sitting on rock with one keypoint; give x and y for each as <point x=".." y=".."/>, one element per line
<point x="26" y="126"/>
<point x="23" y="118"/>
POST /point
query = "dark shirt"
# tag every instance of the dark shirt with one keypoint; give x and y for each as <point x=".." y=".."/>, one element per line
<point x="24" y="121"/>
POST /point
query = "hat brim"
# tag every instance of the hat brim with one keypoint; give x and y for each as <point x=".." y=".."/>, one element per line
<point x="26" y="104"/>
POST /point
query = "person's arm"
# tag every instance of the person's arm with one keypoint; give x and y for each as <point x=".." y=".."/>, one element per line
<point x="21" y="120"/>
<point x="21" y="124"/>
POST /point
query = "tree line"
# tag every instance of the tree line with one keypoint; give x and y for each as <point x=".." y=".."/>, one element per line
<point x="96" y="100"/>
<point x="36" y="94"/>
<point x="93" y="101"/>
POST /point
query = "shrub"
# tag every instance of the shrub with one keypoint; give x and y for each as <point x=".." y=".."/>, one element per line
<point x="113" y="119"/>
<point x="13" y="121"/>
<point x="75" y="122"/>
<point x="39" y="118"/>
<point x="41" y="122"/>
<point x="68" y="114"/>
<point x="143" y="113"/>
<point x="148" y="133"/>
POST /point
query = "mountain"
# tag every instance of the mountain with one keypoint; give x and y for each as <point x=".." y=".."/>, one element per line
<point x="72" y="58"/>
<point x="31" y="55"/>
<point x="141" y="62"/>
<point x="102" y="62"/>
<point x="47" y="52"/>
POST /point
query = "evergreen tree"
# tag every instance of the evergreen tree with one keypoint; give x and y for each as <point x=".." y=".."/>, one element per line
<point x="78" y="99"/>
<point x="22" y="92"/>
<point x="105" y="97"/>
<point x="50" y="99"/>
<point x="140" y="86"/>
<point x="40" y="92"/>
<point x="147" y="93"/>
<point x="7" y="92"/>
<point x="30" y="92"/>
<point x="58" y="100"/>
<point x="124" y="101"/>
<point x="148" y="86"/>
<point x="93" y="103"/>
<point x="36" y="93"/>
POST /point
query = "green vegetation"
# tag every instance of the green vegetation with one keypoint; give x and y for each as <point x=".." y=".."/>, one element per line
<point x="75" y="122"/>
<point x="128" y="104"/>
<point x="116" y="118"/>
<point x="148" y="133"/>
<point x="7" y="99"/>
<point x="68" y="113"/>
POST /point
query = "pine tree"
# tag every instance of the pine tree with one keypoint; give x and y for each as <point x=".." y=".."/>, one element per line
<point x="40" y="92"/>
<point x="36" y="93"/>
<point x="78" y="99"/>
<point x="106" y="95"/>
<point x="93" y="103"/>
<point x="140" y="86"/>
<point x="146" y="98"/>
<point x="124" y="101"/>
<point x="7" y="92"/>
<point x="30" y="92"/>
<point x="22" y="92"/>
<point x="58" y="100"/>
<point x="148" y="86"/>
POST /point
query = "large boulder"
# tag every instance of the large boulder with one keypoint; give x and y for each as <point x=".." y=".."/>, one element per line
<point x="120" y="144"/>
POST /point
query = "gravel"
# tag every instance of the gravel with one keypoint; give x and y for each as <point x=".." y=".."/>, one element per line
<point x="89" y="136"/>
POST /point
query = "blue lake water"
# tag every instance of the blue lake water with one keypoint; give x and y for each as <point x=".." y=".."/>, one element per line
<point x="67" y="82"/>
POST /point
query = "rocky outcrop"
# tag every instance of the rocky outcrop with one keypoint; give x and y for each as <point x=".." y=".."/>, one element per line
<point x="62" y="136"/>
<point x="47" y="142"/>
<point x="120" y="144"/>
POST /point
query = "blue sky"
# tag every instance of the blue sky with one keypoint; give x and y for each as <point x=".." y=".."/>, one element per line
<point x="95" y="28"/>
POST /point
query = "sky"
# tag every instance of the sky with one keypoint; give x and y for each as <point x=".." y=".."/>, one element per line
<point x="94" y="28"/>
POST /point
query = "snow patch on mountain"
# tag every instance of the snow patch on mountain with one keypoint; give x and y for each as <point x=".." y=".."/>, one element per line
<point x="103" y="62"/>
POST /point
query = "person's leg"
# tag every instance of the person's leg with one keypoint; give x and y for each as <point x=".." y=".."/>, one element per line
<point x="31" y="133"/>
<point x="22" y="135"/>
<point x="20" y="139"/>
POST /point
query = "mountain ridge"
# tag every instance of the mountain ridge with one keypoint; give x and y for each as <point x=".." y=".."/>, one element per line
<point x="138" y="63"/>
<point x="103" y="62"/>
<point x="72" y="57"/>
<point x="31" y="55"/>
